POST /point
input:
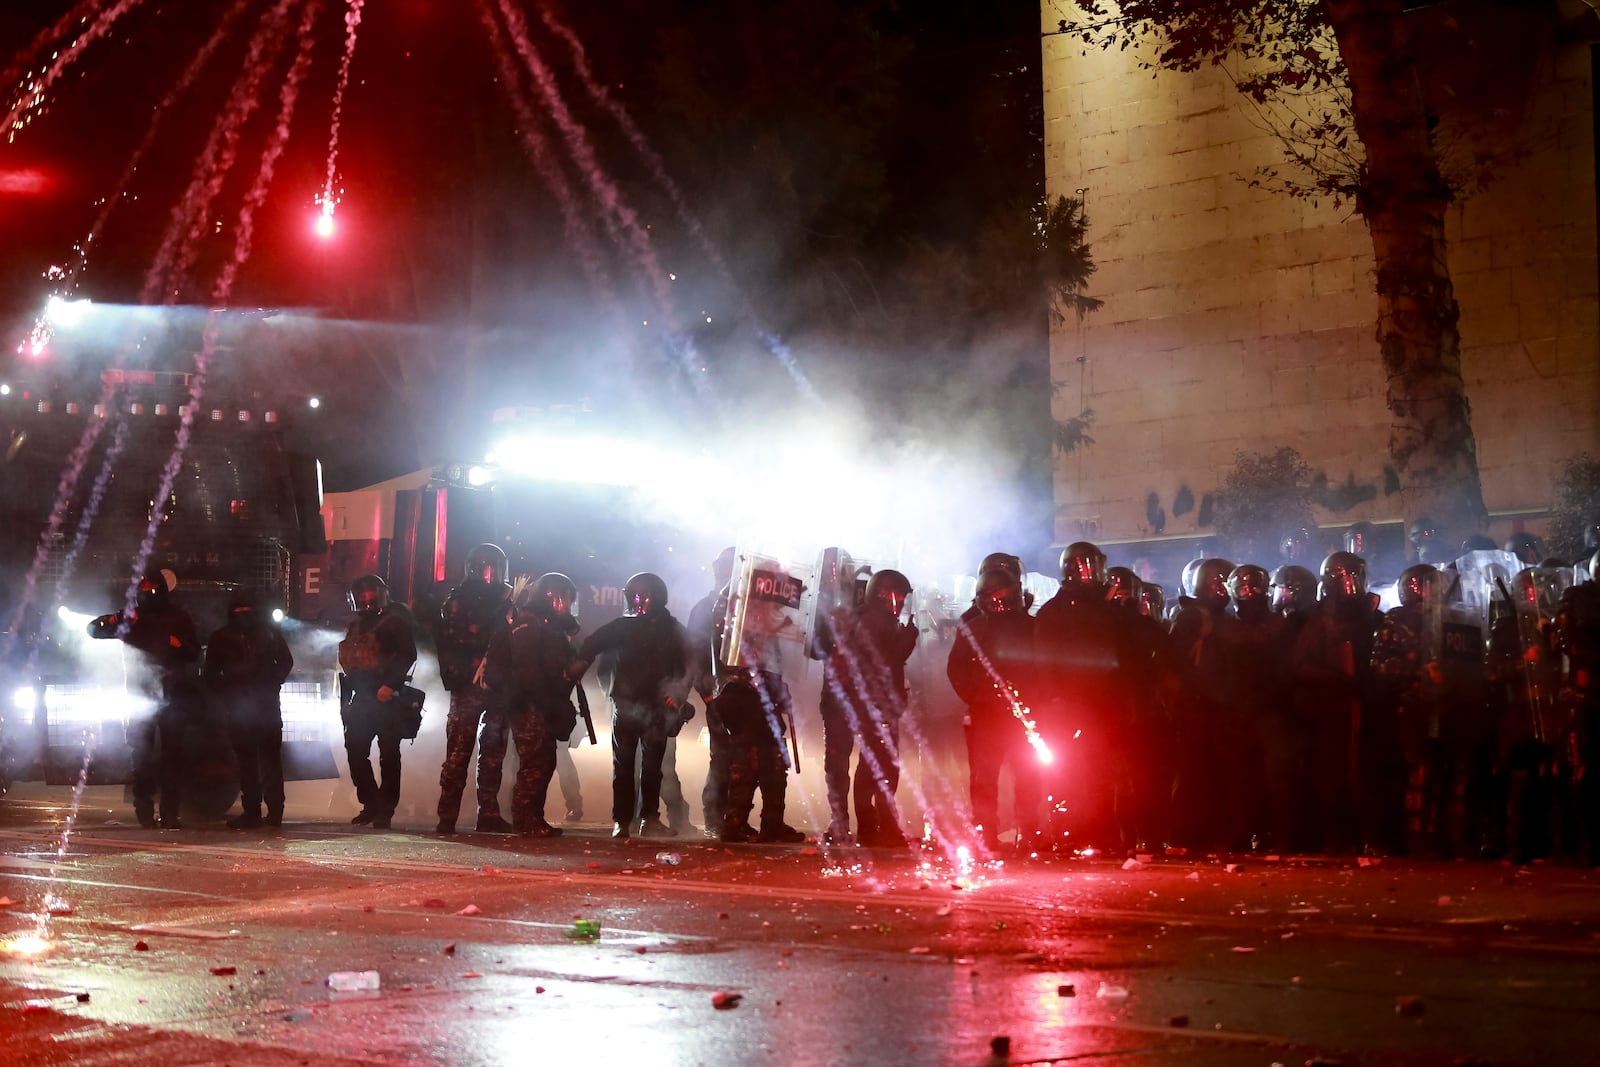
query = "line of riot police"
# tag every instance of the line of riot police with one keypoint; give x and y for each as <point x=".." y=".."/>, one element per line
<point x="1285" y="711"/>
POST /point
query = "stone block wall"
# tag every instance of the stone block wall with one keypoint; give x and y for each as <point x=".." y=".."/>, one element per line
<point x="1240" y="318"/>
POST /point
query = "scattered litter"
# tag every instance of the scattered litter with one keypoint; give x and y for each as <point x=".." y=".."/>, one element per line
<point x="224" y="971"/>
<point x="1107" y="991"/>
<point x="722" y="915"/>
<point x="594" y="865"/>
<point x="670" y="859"/>
<point x="434" y="902"/>
<point x="1000" y="1045"/>
<point x="538" y="989"/>
<point x="1408" y="1005"/>
<point x="472" y="974"/>
<point x="490" y="870"/>
<point x="1243" y="950"/>
<point x="809" y="850"/>
<point x="585" y="930"/>
<point x="1445" y="902"/>
<point x="1066" y="989"/>
<point x="1305" y="911"/>
<point x="920" y="950"/>
<point x="7" y="902"/>
<point x="353" y="981"/>
<point x="141" y="946"/>
<point x="83" y="998"/>
<point x="1369" y="861"/>
<point x="1232" y="868"/>
<point x="450" y="949"/>
<point x="299" y="1015"/>
<point x="944" y="910"/>
<point x="470" y="909"/>
<point x="367" y="907"/>
<point x="1178" y="1020"/>
<point x="1272" y="858"/>
<point x="1192" y="876"/>
<point x="724" y="1001"/>
<point x="1132" y="865"/>
<point x="963" y="961"/>
<point x="56" y="906"/>
<point x="1145" y="857"/>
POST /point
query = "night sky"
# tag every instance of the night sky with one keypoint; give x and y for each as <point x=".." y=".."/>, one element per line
<point x="851" y="167"/>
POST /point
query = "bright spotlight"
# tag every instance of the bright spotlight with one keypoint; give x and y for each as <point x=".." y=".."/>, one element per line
<point x="277" y="614"/>
<point x="477" y="476"/>
<point x="24" y="698"/>
<point x="5" y="389"/>
<point x="314" y="403"/>
<point x="65" y="313"/>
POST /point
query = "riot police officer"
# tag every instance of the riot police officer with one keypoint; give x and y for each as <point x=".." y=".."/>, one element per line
<point x="1199" y="799"/>
<point x="877" y="645"/>
<point x="747" y="712"/>
<point x="375" y="660"/>
<point x="247" y="662"/>
<point x="1329" y="668"/>
<point x="1081" y="643"/>
<point x="1577" y="628"/>
<point x="470" y="618"/>
<point x="1407" y="686"/>
<point x="162" y="638"/>
<point x="1254" y="764"/>
<point x="525" y="670"/>
<point x="649" y="694"/>
<point x="991" y="669"/>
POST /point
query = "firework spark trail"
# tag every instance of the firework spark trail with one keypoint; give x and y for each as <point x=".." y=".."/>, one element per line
<point x="950" y="848"/>
<point x="635" y="239"/>
<point x="1020" y="711"/>
<point x="91" y="509"/>
<point x="288" y="96"/>
<point x="352" y="22"/>
<point x="630" y="129"/>
<point x="177" y="250"/>
<point x="538" y="148"/>
<point x="658" y="170"/>
<point x="80" y="13"/>
<point x="33" y="93"/>
<point x="67" y="277"/>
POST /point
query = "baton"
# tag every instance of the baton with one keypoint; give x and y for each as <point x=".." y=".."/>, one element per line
<point x="583" y="709"/>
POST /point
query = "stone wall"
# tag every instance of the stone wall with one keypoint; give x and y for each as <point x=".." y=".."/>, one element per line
<point x="1241" y="318"/>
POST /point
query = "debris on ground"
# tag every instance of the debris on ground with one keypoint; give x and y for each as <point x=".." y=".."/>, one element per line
<point x="724" y="1001"/>
<point x="920" y="950"/>
<point x="353" y="981"/>
<point x="1000" y="1045"/>
<point x="1369" y="861"/>
<point x="585" y="930"/>
<point x="470" y="909"/>
<point x="1178" y="1020"/>
<point x="944" y="910"/>
<point x="141" y="946"/>
<point x="1232" y="868"/>
<point x="1243" y="950"/>
<point x="1132" y="864"/>
<point x="224" y="971"/>
<point x="1066" y="989"/>
<point x="1107" y="991"/>
<point x="669" y="859"/>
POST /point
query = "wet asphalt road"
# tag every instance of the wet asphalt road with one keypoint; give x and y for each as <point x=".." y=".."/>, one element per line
<point x="212" y="946"/>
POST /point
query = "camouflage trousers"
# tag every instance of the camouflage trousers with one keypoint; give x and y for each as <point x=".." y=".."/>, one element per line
<point x="536" y="743"/>
<point x="461" y="732"/>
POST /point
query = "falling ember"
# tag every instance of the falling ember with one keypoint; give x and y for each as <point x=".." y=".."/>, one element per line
<point x="329" y="197"/>
<point x="1041" y="749"/>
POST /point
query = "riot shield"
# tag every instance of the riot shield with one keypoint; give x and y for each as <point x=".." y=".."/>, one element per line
<point x="764" y="613"/>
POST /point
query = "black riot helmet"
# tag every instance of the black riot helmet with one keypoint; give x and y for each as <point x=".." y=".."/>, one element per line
<point x="1294" y="588"/>
<point x="1152" y="600"/>
<point x="644" y="595"/>
<point x="1420" y="584"/>
<point x="1525" y="546"/>
<point x="368" y="595"/>
<point x="1191" y="570"/>
<point x="1250" y="585"/>
<point x="889" y="588"/>
<point x="553" y="595"/>
<point x="1361" y="539"/>
<point x="486" y="564"/>
<point x="1424" y="535"/>
<point x="999" y="593"/>
<point x="1211" y="583"/>
<point x="1344" y="576"/>
<point x="1083" y="567"/>
<point x="722" y="568"/>
<point x="1479" y="543"/>
<point x="1122" y="587"/>
<point x="1003" y="561"/>
<point x="1295" y="546"/>
<point x="152" y="593"/>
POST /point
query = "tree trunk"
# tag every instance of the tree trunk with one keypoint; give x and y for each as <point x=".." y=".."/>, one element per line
<point x="1404" y="198"/>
